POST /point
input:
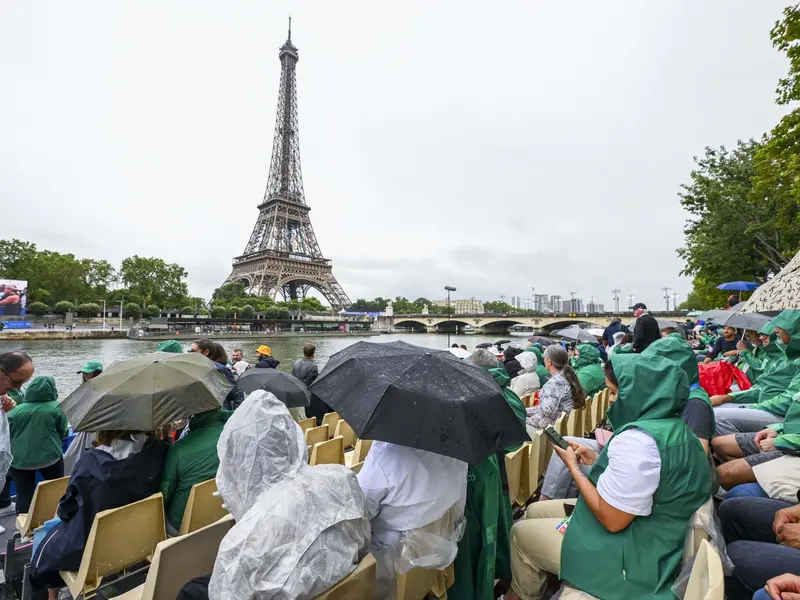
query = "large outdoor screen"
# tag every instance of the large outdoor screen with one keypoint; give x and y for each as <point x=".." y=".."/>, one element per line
<point x="13" y="294"/>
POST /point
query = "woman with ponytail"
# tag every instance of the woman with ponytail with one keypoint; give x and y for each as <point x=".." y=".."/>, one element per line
<point x="561" y="393"/>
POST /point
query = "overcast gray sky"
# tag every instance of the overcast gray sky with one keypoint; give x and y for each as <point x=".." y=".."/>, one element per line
<point x="491" y="146"/>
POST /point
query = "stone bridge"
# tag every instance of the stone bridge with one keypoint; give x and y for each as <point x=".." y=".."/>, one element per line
<point x="500" y="323"/>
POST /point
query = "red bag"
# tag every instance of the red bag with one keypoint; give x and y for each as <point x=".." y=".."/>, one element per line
<point x="716" y="378"/>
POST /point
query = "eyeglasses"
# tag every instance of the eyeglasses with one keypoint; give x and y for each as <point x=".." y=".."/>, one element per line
<point x="15" y="382"/>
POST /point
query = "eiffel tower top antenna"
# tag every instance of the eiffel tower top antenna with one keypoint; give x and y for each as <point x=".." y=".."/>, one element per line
<point x="290" y="28"/>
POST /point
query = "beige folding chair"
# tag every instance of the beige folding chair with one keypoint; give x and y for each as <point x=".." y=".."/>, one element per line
<point x="358" y="454"/>
<point x="331" y="419"/>
<point x="359" y="584"/>
<point x="315" y="435"/>
<point x="202" y="507"/>
<point x="120" y="538"/>
<point x="561" y="425"/>
<point x="535" y="468"/>
<point x="307" y="424"/>
<point x="574" y="423"/>
<point x="707" y="580"/>
<point x="514" y="462"/>
<point x="418" y="584"/>
<point x="343" y="429"/>
<point x="43" y="505"/>
<point x="697" y="533"/>
<point x="179" y="559"/>
<point x="356" y="468"/>
<point x="328" y="453"/>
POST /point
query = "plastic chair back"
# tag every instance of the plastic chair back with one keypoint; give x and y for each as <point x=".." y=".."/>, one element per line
<point x="514" y="461"/>
<point x="331" y="420"/>
<point x="43" y="505"/>
<point x="307" y="424"/>
<point x="707" y="580"/>
<point x="202" y="508"/>
<point x="343" y="429"/>
<point x="315" y="435"/>
<point x="328" y="453"/>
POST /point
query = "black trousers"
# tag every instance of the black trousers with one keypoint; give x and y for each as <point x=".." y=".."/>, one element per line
<point x="25" y="480"/>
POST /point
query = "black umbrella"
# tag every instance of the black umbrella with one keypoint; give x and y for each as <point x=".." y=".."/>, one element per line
<point x="287" y="388"/>
<point x="484" y="345"/>
<point x="420" y="398"/>
<point x="540" y="339"/>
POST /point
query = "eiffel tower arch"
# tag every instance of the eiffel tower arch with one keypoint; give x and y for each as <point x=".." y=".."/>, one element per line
<point x="282" y="255"/>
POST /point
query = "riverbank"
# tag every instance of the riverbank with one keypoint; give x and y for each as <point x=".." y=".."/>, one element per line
<point x="99" y="334"/>
<point x="254" y="336"/>
<point x="13" y="335"/>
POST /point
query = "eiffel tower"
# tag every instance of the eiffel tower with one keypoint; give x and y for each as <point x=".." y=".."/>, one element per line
<point x="282" y="254"/>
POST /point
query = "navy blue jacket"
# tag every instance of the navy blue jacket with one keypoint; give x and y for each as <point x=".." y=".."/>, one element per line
<point x="236" y="396"/>
<point x="99" y="482"/>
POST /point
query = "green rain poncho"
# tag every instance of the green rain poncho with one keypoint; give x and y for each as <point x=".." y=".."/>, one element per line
<point x="484" y="550"/>
<point x="37" y="426"/>
<point x="788" y="431"/>
<point x="642" y="560"/>
<point x="675" y="348"/>
<point x="776" y="388"/>
<point x="763" y="357"/>
<point x="544" y="375"/>
<point x="589" y="369"/>
<point x="173" y="346"/>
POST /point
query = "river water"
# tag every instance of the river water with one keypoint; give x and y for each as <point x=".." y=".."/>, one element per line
<point x="63" y="358"/>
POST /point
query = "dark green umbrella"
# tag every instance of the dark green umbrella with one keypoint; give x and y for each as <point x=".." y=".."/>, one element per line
<point x="147" y="392"/>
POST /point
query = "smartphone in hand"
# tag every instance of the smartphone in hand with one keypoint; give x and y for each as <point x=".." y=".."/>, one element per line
<point x="554" y="437"/>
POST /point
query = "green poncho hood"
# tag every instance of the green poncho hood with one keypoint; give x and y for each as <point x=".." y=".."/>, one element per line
<point x="500" y="376"/>
<point x="170" y="346"/>
<point x="587" y="355"/>
<point x="650" y="387"/>
<point x="773" y="349"/>
<point x="789" y="320"/>
<point x="537" y="351"/>
<point x="41" y="389"/>
<point x="678" y="351"/>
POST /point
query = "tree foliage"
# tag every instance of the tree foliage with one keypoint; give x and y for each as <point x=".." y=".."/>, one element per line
<point x="37" y="308"/>
<point x="152" y="311"/>
<point x="132" y="310"/>
<point x="247" y="312"/>
<point x="88" y="309"/>
<point x="155" y="281"/>
<point x="63" y="307"/>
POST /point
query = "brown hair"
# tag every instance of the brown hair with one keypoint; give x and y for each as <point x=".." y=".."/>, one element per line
<point x="105" y="438"/>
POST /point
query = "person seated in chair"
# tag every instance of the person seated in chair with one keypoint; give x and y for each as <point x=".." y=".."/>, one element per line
<point x="625" y="537"/>
<point x="122" y="468"/>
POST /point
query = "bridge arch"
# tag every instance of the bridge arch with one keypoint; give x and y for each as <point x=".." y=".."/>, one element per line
<point x="414" y="323"/>
<point x="571" y="322"/>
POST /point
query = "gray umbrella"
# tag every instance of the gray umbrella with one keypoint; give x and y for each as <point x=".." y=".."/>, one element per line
<point x="576" y="333"/>
<point x="752" y="321"/>
<point x="715" y="316"/>
<point x="147" y="392"/>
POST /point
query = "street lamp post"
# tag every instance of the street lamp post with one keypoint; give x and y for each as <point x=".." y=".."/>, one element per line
<point x="449" y="289"/>
<point x="104" y="315"/>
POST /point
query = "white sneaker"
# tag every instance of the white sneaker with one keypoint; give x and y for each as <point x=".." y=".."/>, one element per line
<point x="2" y="530"/>
<point x="11" y="509"/>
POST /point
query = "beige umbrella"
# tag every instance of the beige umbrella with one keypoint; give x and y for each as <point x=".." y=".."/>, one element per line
<point x="780" y="292"/>
<point x="147" y="392"/>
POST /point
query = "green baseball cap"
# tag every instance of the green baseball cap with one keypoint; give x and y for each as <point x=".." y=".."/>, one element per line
<point x="91" y="367"/>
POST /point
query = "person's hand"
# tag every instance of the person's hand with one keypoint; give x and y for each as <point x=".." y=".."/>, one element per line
<point x="764" y="434"/>
<point x="720" y="399"/>
<point x="767" y="444"/>
<point x="784" y="587"/>
<point x="741" y="346"/>
<point x="790" y="535"/>
<point x="731" y="352"/>
<point x="586" y="456"/>
<point x="8" y="403"/>
<point x="790" y="514"/>
<point x="707" y="360"/>
<point x="568" y="456"/>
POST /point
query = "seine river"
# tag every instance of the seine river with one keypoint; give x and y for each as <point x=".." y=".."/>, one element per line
<point x="63" y="358"/>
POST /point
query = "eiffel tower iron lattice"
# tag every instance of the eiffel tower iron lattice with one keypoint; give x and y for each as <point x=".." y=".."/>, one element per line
<point x="282" y="254"/>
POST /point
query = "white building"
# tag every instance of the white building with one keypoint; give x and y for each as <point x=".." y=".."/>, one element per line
<point x="462" y="306"/>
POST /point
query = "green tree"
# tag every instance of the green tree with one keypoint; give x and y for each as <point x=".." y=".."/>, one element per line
<point x="37" y="308"/>
<point x="88" y="309"/>
<point x="202" y="311"/>
<point x="99" y="276"/>
<point x="226" y="293"/>
<point x="234" y="312"/>
<point x="376" y="305"/>
<point x="218" y="312"/>
<point x="154" y="280"/>
<point x="785" y="37"/>
<point x="63" y="307"/>
<point x="496" y="307"/>
<point x="132" y="310"/>
<point x="313" y="305"/>
<point x="247" y="312"/>
<point x="152" y="311"/>
<point x="187" y="310"/>
<point x="276" y="312"/>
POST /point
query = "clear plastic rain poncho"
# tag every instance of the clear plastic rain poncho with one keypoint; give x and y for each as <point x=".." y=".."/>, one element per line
<point x="527" y="382"/>
<point x="303" y="529"/>
<point x="5" y="444"/>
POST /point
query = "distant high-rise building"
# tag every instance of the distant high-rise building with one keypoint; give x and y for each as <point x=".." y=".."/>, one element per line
<point x="575" y="305"/>
<point x="555" y="303"/>
<point x="595" y="308"/>
<point x="516" y="301"/>
<point x="566" y="306"/>
<point x="541" y="303"/>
